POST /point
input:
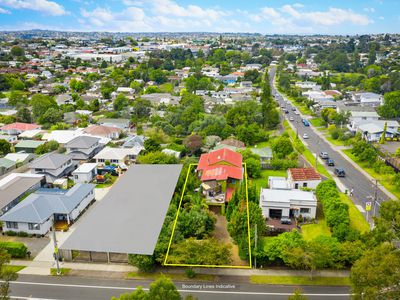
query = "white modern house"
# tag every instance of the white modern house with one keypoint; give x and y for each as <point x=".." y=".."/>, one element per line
<point x="361" y="117"/>
<point x="85" y="173"/>
<point x="117" y="155"/>
<point x="52" y="165"/>
<point x="368" y="99"/>
<point x="278" y="203"/>
<point x="37" y="213"/>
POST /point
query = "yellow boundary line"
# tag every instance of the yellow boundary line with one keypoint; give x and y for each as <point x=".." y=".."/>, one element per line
<point x="176" y="221"/>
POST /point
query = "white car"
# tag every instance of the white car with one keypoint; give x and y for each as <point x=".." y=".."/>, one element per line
<point x="291" y="119"/>
<point x="305" y="136"/>
<point x="296" y="112"/>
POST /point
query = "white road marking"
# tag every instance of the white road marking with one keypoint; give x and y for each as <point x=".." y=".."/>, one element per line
<point x="180" y="290"/>
<point x="360" y="208"/>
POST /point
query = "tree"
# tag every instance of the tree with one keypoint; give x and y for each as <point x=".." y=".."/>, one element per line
<point x="17" y="51"/>
<point x="282" y="147"/>
<point x="382" y="139"/>
<point x="391" y="106"/>
<point x="41" y="103"/>
<point x="17" y="98"/>
<point x="141" y="109"/>
<point x="157" y="158"/>
<point x="251" y="75"/>
<point x="51" y="116"/>
<point x="24" y="115"/>
<point x="193" y="143"/>
<point x="5" y="147"/>
<point x="6" y="274"/>
<point x="151" y="145"/>
<point x="145" y="263"/>
<point x="376" y="275"/>
<point x="195" y="222"/>
<point x="120" y="102"/>
<point x="253" y="167"/>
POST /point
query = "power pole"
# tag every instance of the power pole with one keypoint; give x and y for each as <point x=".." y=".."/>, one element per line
<point x="56" y="255"/>
<point x="255" y="246"/>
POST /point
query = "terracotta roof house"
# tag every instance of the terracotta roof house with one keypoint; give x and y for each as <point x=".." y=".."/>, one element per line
<point x="220" y="171"/>
<point x="303" y="177"/>
<point x="103" y="131"/>
<point x="17" y="128"/>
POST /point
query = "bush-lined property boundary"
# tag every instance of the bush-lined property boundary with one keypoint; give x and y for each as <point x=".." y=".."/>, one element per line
<point x="176" y="220"/>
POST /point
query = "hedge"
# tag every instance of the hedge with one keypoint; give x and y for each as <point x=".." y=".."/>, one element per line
<point x="15" y="249"/>
<point x="336" y="212"/>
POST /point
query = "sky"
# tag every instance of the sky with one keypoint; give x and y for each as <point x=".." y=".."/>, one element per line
<point x="261" y="16"/>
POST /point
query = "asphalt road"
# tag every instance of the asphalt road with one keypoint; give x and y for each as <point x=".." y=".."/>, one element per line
<point x="77" y="288"/>
<point x="362" y="186"/>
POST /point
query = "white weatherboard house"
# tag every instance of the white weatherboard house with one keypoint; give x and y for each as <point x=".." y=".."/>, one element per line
<point x="117" y="155"/>
<point x="278" y="203"/>
<point x="36" y="214"/>
<point x="85" y="172"/>
<point x="303" y="178"/>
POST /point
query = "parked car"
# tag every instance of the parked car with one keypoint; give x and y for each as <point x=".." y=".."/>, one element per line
<point x="294" y="108"/>
<point x="324" y="155"/>
<point x="291" y="119"/>
<point x="305" y="122"/>
<point x="286" y="111"/>
<point x="305" y="136"/>
<point x="296" y="112"/>
<point x="330" y="162"/>
<point x="286" y="221"/>
<point x="339" y="172"/>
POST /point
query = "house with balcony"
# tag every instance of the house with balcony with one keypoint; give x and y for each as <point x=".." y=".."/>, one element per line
<point x="83" y="147"/>
<point x="220" y="172"/>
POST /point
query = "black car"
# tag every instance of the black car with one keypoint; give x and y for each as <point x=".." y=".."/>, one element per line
<point x="330" y="162"/>
<point x="286" y="111"/>
<point x="339" y="172"/>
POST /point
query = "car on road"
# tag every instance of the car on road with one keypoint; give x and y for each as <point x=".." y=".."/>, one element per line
<point x="324" y="155"/>
<point x="291" y="119"/>
<point x="305" y="136"/>
<point x="339" y="172"/>
<point x="305" y="122"/>
<point x="283" y="105"/>
<point x="286" y="111"/>
<point x="294" y="108"/>
<point x="286" y="221"/>
<point x="330" y="162"/>
<point x="296" y="112"/>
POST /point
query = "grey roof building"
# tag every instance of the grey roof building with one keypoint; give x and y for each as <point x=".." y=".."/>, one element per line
<point x="138" y="201"/>
<point x="53" y="166"/>
<point x="134" y="141"/>
<point x="6" y="165"/>
<point x="83" y="147"/>
<point x="40" y="208"/>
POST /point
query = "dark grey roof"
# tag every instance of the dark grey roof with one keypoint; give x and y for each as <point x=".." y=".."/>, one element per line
<point x="49" y="161"/>
<point x="16" y="187"/>
<point x="130" y="217"/>
<point x="82" y="141"/>
<point x="42" y="204"/>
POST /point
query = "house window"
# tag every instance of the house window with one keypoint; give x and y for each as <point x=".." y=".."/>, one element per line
<point x="304" y="184"/>
<point x="76" y="176"/>
<point x="304" y="210"/>
<point x="101" y="160"/>
<point x="296" y="185"/>
<point x="33" y="226"/>
<point x="12" y="225"/>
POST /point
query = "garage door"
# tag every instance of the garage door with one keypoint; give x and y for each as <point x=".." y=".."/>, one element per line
<point x="275" y="213"/>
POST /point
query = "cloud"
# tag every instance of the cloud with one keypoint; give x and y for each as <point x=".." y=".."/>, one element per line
<point x="47" y="7"/>
<point x="4" y="11"/>
<point x="369" y="9"/>
<point x="130" y="19"/>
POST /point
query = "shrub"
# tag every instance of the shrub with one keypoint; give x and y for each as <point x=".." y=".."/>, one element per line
<point x="15" y="249"/>
<point x="190" y="273"/>
<point x="145" y="263"/>
<point x="282" y="164"/>
<point x="10" y="233"/>
<point x="22" y="234"/>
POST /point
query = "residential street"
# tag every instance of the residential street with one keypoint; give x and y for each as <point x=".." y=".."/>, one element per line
<point x="355" y="179"/>
<point x="72" y="288"/>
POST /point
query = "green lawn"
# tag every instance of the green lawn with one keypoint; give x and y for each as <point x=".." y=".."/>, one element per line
<point x="63" y="271"/>
<point x="357" y="220"/>
<point x="173" y="276"/>
<point x="311" y="231"/>
<point x="317" y="122"/>
<point x="334" y="142"/>
<point x="107" y="184"/>
<point x="299" y="280"/>
<point x="384" y="179"/>
<point x="263" y="180"/>
<point x="13" y="268"/>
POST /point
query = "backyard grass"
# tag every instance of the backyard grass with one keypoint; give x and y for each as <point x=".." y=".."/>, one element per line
<point x="262" y="182"/>
<point x="311" y="231"/>
<point x="107" y="184"/>
<point x="384" y="179"/>
<point x="173" y="276"/>
<point x="300" y="280"/>
<point x="317" y="122"/>
<point x="63" y="271"/>
<point x="357" y="220"/>
<point x="13" y="268"/>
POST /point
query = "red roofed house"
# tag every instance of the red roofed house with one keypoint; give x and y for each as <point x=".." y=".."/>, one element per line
<point x="18" y="128"/>
<point x="220" y="171"/>
<point x="303" y="178"/>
